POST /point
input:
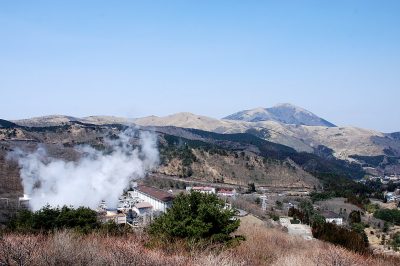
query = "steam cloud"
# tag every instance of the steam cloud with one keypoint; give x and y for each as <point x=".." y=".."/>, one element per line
<point x="94" y="177"/>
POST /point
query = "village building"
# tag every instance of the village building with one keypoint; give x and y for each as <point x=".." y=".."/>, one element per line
<point x="226" y="192"/>
<point x="331" y="217"/>
<point x="205" y="190"/>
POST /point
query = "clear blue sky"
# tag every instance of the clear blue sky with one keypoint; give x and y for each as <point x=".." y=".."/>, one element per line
<point x="338" y="59"/>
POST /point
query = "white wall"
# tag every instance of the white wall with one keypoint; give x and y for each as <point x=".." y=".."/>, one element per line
<point x="157" y="204"/>
<point x="338" y="221"/>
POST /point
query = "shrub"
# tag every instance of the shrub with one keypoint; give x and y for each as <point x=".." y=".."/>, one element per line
<point x="395" y="242"/>
<point x="388" y="215"/>
<point x="355" y="217"/>
<point x="48" y="219"/>
<point x="337" y="235"/>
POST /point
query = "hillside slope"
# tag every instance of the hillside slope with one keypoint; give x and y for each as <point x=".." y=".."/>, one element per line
<point x="238" y="159"/>
<point x="345" y="142"/>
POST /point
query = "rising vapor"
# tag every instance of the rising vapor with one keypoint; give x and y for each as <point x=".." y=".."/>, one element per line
<point x="96" y="176"/>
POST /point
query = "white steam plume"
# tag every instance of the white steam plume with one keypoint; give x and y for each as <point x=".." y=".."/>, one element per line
<point x="94" y="177"/>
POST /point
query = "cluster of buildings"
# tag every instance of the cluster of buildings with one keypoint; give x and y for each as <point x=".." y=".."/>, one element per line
<point x="138" y="207"/>
<point x="383" y="179"/>
<point x="141" y="204"/>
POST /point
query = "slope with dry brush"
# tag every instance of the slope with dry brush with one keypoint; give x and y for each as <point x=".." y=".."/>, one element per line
<point x="263" y="246"/>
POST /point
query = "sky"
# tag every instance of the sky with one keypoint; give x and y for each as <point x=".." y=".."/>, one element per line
<point x="338" y="59"/>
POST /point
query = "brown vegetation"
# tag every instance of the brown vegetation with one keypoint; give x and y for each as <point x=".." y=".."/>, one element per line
<point x="240" y="168"/>
<point x="262" y="247"/>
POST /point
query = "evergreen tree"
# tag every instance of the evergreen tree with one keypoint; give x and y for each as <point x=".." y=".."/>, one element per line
<point x="196" y="216"/>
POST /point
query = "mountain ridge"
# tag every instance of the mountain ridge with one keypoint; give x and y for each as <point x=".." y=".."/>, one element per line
<point x="345" y="142"/>
<point x="284" y="113"/>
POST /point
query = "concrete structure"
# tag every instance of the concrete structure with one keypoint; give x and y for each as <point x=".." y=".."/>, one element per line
<point x="110" y="216"/>
<point x="301" y="230"/>
<point x="143" y="208"/>
<point x="24" y="201"/>
<point x="159" y="200"/>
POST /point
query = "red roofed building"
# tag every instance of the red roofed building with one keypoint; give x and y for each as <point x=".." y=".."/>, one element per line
<point x="227" y="192"/>
<point x="205" y="190"/>
<point x="159" y="199"/>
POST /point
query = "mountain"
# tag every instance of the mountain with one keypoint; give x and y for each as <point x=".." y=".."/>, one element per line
<point x="238" y="159"/>
<point x="344" y="141"/>
<point x="57" y="120"/>
<point x="283" y="113"/>
<point x="188" y="120"/>
<point x="44" y="121"/>
<point x="348" y="143"/>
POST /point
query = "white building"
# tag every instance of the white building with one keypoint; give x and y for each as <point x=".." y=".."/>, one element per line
<point x="159" y="199"/>
<point x="227" y="192"/>
<point x="331" y="217"/>
<point x="205" y="190"/>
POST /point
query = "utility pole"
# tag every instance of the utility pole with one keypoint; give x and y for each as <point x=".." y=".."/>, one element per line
<point x="264" y="202"/>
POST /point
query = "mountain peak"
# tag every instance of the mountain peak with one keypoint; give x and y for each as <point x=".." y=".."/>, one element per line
<point x="285" y="113"/>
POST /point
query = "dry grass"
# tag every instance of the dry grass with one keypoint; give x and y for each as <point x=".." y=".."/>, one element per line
<point x="273" y="247"/>
<point x="262" y="247"/>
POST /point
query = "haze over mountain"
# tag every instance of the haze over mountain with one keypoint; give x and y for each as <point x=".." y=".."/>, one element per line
<point x="284" y="113"/>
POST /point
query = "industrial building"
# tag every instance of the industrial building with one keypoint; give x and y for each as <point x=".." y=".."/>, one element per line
<point x="158" y="199"/>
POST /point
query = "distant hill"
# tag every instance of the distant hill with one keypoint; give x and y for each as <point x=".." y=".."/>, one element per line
<point x="45" y="121"/>
<point x="395" y="135"/>
<point x="283" y="113"/>
<point x="344" y="141"/>
<point x="57" y="120"/>
<point x="6" y="124"/>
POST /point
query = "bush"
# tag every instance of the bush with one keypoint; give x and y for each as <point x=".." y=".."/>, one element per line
<point x="48" y="219"/>
<point x="355" y="217"/>
<point x="195" y="217"/>
<point x="395" y="242"/>
<point x="388" y="215"/>
<point x="294" y="221"/>
<point x="337" y="235"/>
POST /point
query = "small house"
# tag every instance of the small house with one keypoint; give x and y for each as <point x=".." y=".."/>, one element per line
<point x="205" y="190"/>
<point x="331" y="217"/>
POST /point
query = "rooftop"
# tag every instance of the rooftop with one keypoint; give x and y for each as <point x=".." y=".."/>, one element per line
<point x="203" y="188"/>
<point x="330" y="215"/>
<point x="155" y="193"/>
<point x="226" y="191"/>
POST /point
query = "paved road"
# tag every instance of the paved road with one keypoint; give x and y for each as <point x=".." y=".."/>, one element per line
<point x="223" y="185"/>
